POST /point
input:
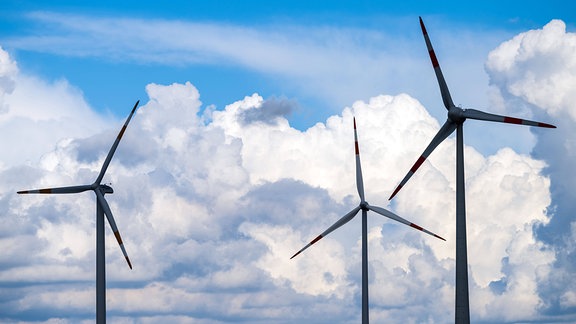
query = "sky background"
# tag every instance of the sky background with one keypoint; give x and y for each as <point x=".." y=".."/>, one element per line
<point x="242" y="151"/>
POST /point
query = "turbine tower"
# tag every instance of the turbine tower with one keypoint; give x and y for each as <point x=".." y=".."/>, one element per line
<point x="102" y="208"/>
<point x="365" y="207"/>
<point x="455" y="121"/>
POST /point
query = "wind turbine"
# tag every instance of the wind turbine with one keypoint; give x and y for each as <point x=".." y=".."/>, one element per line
<point x="455" y="121"/>
<point x="364" y="206"/>
<point x="102" y="208"/>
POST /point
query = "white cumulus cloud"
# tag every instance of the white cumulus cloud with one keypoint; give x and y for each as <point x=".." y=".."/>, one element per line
<point x="211" y="206"/>
<point x="535" y="72"/>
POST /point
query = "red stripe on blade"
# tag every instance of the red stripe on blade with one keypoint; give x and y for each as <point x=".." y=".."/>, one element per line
<point x="433" y="59"/>
<point x="546" y="125"/>
<point x="395" y="192"/>
<point x="418" y="164"/>
<point x="512" y="120"/>
<point x="292" y="257"/>
<point x="118" y="238"/>
<point x="416" y="226"/>
<point x="316" y="239"/>
<point x="423" y="27"/>
<point x="45" y="191"/>
<point x="357" y="150"/>
<point x="122" y="131"/>
<point x="440" y="237"/>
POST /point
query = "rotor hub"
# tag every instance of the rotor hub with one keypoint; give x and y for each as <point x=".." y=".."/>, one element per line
<point x="456" y="114"/>
<point x="364" y="205"/>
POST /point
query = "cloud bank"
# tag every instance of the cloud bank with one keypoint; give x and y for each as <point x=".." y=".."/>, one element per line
<point x="535" y="72"/>
<point x="211" y="206"/>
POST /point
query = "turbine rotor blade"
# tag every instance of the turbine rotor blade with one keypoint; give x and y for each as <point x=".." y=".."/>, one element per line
<point x="345" y="219"/>
<point x="397" y="218"/>
<point x="106" y="208"/>
<point x="359" y="180"/>
<point x="446" y="98"/>
<point x="115" y="145"/>
<point x="59" y="190"/>
<point x="447" y="129"/>
<point x="480" y="115"/>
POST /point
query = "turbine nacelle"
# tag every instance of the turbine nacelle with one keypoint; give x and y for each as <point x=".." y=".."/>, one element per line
<point x="365" y="206"/>
<point x="106" y="189"/>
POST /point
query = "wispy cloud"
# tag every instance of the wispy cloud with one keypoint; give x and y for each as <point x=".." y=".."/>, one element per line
<point x="336" y="64"/>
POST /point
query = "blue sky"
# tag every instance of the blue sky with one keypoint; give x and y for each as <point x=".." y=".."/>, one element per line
<point x="241" y="153"/>
<point x="107" y="80"/>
